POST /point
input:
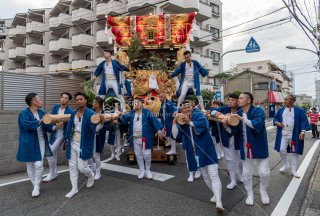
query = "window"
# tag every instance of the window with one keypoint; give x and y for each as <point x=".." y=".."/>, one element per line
<point x="215" y="57"/>
<point x="88" y="56"/>
<point x="215" y="32"/>
<point x="2" y="28"/>
<point x="88" y="32"/>
<point x="261" y="86"/>
<point x="259" y="67"/>
<point x="215" y="9"/>
<point x="65" y="60"/>
<point x="1" y="66"/>
<point x="1" y="46"/>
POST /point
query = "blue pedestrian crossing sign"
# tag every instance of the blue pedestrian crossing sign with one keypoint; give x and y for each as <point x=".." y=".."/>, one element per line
<point x="218" y="95"/>
<point x="252" y="46"/>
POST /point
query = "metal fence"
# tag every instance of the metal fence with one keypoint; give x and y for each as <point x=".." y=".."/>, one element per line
<point x="14" y="87"/>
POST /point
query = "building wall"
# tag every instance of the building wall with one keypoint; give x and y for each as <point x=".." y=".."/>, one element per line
<point x="317" y="92"/>
<point x="95" y="50"/>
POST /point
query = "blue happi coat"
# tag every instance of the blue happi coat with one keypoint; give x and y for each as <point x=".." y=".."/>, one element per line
<point x="117" y="67"/>
<point x="29" y="148"/>
<point x="256" y="137"/>
<point x="150" y="125"/>
<point x="300" y="123"/>
<point x="203" y="143"/>
<point x="88" y="131"/>
<point x="166" y="120"/>
<point x="55" y="111"/>
<point x="198" y="68"/>
<point x="225" y="135"/>
<point x="101" y="137"/>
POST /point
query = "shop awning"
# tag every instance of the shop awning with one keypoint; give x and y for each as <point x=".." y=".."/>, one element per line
<point x="275" y="97"/>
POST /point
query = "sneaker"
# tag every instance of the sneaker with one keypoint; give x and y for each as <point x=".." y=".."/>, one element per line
<point x="249" y="200"/>
<point x="50" y="178"/>
<point x="72" y="193"/>
<point x="213" y="199"/>
<point x="97" y="175"/>
<point x="141" y="175"/>
<point x="36" y="191"/>
<point x="284" y="168"/>
<point x="190" y="179"/>
<point x="197" y="175"/>
<point x="231" y="185"/>
<point x="149" y="175"/>
<point x="264" y="197"/>
<point x="90" y="181"/>
<point x="171" y="152"/>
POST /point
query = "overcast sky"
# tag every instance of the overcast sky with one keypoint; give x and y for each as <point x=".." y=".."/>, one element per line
<point x="272" y="41"/>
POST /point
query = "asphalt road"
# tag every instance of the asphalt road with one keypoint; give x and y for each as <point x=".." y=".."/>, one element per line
<point x="123" y="194"/>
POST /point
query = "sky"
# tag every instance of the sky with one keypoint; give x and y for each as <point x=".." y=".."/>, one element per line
<point x="272" y="41"/>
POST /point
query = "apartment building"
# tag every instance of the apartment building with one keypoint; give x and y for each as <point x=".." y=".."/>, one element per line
<point x="68" y="39"/>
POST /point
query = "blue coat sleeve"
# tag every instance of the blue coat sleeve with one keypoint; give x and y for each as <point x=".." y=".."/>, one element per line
<point x="276" y="117"/>
<point x="177" y="71"/>
<point x="200" y="123"/>
<point x="26" y="123"/>
<point x="304" y="121"/>
<point x="125" y="119"/>
<point x="258" y="120"/>
<point x="121" y="67"/>
<point x="99" y="69"/>
<point x="202" y="70"/>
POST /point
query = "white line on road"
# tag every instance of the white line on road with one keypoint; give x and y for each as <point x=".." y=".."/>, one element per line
<point x="127" y="170"/>
<point x="283" y="205"/>
<point x="27" y="179"/>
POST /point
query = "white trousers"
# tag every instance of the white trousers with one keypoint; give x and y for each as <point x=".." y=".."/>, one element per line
<point x="35" y="169"/>
<point x="113" y="84"/>
<point x="76" y="163"/>
<point x="97" y="160"/>
<point x="263" y="171"/>
<point x="285" y="141"/>
<point x="184" y="89"/>
<point x="234" y="163"/>
<point x="117" y="140"/>
<point x="143" y="156"/>
<point x="56" y="145"/>
<point x="211" y="177"/>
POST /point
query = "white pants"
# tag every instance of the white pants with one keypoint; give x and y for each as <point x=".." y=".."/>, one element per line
<point x="172" y="143"/>
<point x="52" y="160"/>
<point x="97" y="160"/>
<point x="263" y="171"/>
<point x="35" y="169"/>
<point x="113" y="84"/>
<point x="234" y="163"/>
<point x="210" y="176"/>
<point x="143" y="155"/>
<point x="76" y="163"/>
<point x="285" y="141"/>
<point x="117" y="140"/>
<point x="187" y="84"/>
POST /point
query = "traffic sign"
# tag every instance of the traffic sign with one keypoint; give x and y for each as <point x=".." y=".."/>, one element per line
<point x="218" y="95"/>
<point x="252" y="46"/>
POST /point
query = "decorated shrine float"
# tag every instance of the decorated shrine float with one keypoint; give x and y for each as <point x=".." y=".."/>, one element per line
<point x="152" y="46"/>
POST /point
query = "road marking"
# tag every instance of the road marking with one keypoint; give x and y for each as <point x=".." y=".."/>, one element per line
<point x="287" y="198"/>
<point x="132" y="171"/>
<point x="27" y="179"/>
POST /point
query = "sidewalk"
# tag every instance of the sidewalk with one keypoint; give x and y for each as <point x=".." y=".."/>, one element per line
<point x="311" y="205"/>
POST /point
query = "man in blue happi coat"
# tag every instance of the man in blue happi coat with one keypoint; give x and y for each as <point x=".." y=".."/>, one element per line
<point x="292" y="123"/>
<point x="33" y="140"/>
<point x="190" y="71"/>
<point x="143" y="126"/>
<point x="57" y="137"/>
<point x="111" y="77"/>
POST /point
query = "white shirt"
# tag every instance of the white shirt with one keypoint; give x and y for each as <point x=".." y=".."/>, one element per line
<point x="108" y="70"/>
<point x="288" y="121"/>
<point x="39" y="129"/>
<point x="189" y="71"/>
<point x="77" y="124"/>
<point x="137" y="126"/>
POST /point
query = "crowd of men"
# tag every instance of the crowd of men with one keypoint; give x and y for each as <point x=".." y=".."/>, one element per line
<point x="204" y="142"/>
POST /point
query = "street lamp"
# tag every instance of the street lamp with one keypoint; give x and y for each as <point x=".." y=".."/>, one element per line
<point x="293" y="47"/>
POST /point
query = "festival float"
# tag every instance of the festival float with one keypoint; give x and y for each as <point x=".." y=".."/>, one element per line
<point x="152" y="46"/>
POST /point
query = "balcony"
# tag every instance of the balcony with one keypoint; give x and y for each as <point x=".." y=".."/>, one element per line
<point x="2" y="55"/>
<point x="82" y="41"/>
<point x="59" y="67"/>
<point x="82" y="64"/>
<point x="17" y="70"/>
<point x="60" y="46"/>
<point x="35" y="69"/>
<point x="202" y="37"/>
<point x="206" y="62"/>
<point x="110" y="8"/>
<point x="17" y="54"/>
<point x="62" y="20"/>
<point x="36" y="27"/>
<point x="101" y="38"/>
<point x="205" y="12"/>
<point x="183" y="6"/>
<point x="35" y="49"/>
<point x="18" y="31"/>
<point x="83" y="15"/>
